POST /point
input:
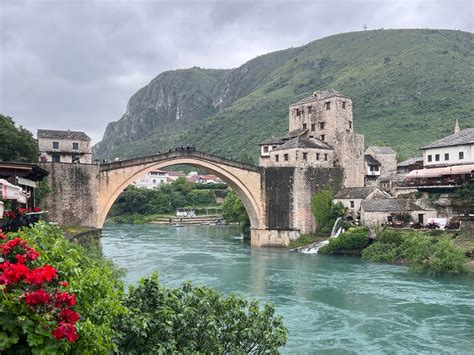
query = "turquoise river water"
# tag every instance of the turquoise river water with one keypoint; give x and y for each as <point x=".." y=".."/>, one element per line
<point x="330" y="305"/>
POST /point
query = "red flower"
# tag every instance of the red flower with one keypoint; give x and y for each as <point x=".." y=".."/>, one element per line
<point x="20" y="258"/>
<point x="41" y="274"/>
<point x="38" y="297"/>
<point x="69" y="316"/>
<point x="63" y="283"/>
<point x="37" y="209"/>
<point x="64" y="298"/>
<point x="12" y="273"/>
<point x="65" y="330"/>
<point x="2" y="235"/>
<point x="22" y="210"/>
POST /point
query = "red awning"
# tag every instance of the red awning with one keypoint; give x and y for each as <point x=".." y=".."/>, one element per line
<point x="438" y="172"/>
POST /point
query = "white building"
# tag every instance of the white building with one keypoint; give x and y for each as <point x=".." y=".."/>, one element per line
<point x="153" y="180"/>
<point x="64" y="146"/>
<point x="456" y="149"/>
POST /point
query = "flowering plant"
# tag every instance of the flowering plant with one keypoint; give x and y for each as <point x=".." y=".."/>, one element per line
<point x="37" y="307"/>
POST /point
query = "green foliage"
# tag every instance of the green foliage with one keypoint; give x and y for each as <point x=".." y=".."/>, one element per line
<point x="466" y="198"/>
<point x="434" y="255"/>
<point x="93" y="280"/>
<point x="408" y="87"/>
<point x="195" y="320"/>
<point x="233" y="210"/>
<point x="324" y="210"/>
<point x="353" y="239"/>
<point x="16" y="143"/>
<point x="306" y="239"/>
<point x="134" y="204"/>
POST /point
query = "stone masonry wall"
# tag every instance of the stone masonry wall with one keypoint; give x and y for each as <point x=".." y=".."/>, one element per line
<point x="74" y="194"/>
<point x="306" y="183"/>
<point x="278" y="183"/>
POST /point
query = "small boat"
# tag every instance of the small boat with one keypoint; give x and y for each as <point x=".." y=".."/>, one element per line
<point x="239" y="237"/>
<point x="178" y="225"/>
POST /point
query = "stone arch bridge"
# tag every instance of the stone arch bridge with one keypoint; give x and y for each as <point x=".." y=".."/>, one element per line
<point x="277" y="200"/>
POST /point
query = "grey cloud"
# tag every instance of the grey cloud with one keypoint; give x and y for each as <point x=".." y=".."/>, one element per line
<point x="74" y="64"/>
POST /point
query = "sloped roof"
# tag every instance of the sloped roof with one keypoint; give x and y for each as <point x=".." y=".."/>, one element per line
<point x="381" y="150"/>
<point x="466" y="136"/>
<point x="410" y="161"/>
<point x="371" y="160"/>
<point x="325" y="94"/>
<point x="273" y="140"/>
<point x="390" y="205"/>
<point x="295" y="133"/>
<point x="300" y="142"/>
<point x="355" y="192"/>
<point x="54" y="134"/>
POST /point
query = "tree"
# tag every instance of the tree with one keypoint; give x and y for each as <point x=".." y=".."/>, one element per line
<point x="195" y="320"/>
<point x="233" y="210"/>
<point x="16" y="143"/>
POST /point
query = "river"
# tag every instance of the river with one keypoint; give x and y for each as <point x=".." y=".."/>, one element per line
<point x="330" y="305"/>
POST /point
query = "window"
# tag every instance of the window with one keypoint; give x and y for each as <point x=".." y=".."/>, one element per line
<point x="327" y="105"/>
<point x="317" y="156"/>
<point x="344" y="105"/>
<point x="352" y="204"/>
<point x="390" y="219"/>
<point x="265" y="148"/>
<point x="277" y="158"/>
<point x="446" y="156"/>
<point x="430" y="158"/>
<point x="305" y="126"/>
<point x="313" y="127"/>
<point x="55" y="145"/>
<point x="75" y="146"/>
<point x="325" y="157"/>
<point x="305" y="156"/>
<point x="321" y="125"/>
<point x="376" y="168"/>
<point x="437" y="157"/>
<point x="310" y="109"/>
<point x="56" y="158"/>
<point x="285" y="156"/>
<point x="322" y="136"/>
<point x="298" y="112"/>
<point x="350" y="124"/>
<point x="461" y="155"/>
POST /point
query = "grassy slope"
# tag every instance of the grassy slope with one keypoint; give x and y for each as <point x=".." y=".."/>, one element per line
<point x="408" y="86"/>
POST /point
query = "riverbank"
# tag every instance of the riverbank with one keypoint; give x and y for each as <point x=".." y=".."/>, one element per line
<point x="432" y="252"/>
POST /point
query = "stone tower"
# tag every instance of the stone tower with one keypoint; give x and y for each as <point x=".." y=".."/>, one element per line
<point x="327" y="116"/>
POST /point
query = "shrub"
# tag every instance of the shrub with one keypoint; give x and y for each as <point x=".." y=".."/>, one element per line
<point x="325" y="211"/>
<point x="353" y="239"/>
<point x="434" y="255"/>
<point x="195" y="320"/>
<point x="92" y="280"/>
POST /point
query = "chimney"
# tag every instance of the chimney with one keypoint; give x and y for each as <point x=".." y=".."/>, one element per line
<point x="456" y="126"/>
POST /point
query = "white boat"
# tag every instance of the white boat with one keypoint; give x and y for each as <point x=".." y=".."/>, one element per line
<point x="178" y="225"/>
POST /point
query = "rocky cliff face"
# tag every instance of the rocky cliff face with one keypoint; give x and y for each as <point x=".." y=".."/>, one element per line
<point x="408" y="86"/>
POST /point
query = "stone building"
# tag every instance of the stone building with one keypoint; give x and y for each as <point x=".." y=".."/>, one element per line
<point x="352" y="197"/>
<point x="382" y="211"/>
<point x="64" y="146"/>
<point x="380" y="166"/>
<point x="321" y="134"/>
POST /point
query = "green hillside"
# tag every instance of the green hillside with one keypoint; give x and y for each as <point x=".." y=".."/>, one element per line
<point x="407" y="87"/>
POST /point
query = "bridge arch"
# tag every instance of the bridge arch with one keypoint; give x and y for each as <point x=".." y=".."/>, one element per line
<point x="244" y="179"/>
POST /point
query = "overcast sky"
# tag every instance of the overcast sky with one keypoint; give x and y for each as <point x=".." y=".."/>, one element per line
<point x="74" y="64"/>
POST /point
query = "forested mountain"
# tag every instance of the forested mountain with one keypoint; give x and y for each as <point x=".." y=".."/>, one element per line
<point x="407" y="87"/>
